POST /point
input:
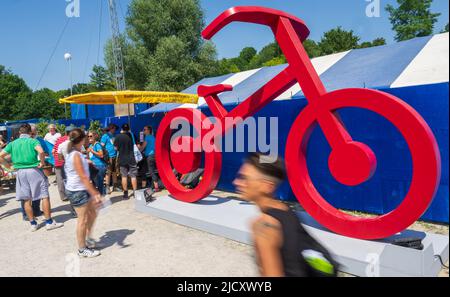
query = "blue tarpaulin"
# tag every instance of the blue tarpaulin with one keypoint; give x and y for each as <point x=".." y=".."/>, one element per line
<point x="416" y="71"/>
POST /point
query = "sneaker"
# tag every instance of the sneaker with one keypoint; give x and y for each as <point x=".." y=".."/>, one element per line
<point x="34" y="228"/>
<point x="90" y="243"/>
<point x="53" y="226"/>
<point x="88" y="253"/>
<point x="125" y="195"/>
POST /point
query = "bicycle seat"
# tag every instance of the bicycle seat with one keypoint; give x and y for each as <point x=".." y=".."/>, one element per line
<point x="257" y="15"/>
<point x="204" y="91"/>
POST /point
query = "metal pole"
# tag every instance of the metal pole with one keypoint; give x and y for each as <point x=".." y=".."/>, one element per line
<point x="129" y="112"/>
<point x="71" y="90"/>
<point x="70" y="70"/>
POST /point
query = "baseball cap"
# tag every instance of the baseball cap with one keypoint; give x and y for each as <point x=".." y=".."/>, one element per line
<point x="70" y="128"/>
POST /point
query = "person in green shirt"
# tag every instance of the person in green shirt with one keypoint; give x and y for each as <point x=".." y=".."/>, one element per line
<point x="31" y="183"/>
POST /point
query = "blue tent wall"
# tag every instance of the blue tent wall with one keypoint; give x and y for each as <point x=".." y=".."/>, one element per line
<point x="100" y="111"/>
<point x="78" y="111"/>
<point x="388" y="187"/>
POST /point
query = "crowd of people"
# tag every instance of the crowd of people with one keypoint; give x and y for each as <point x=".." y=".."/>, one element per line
<point x="87" y="167"/>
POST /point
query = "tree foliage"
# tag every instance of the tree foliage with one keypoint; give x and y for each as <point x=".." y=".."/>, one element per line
<point x="338" y="40"/>
<point x="101" y="79"/>
<point x="42" y="103"/>
<point x="163" y="49"/>
<point x="412" y="18"/>
<point x="12" y="89"/>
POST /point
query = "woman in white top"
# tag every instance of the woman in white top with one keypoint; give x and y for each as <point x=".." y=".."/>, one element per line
<point x="81" y="193"/>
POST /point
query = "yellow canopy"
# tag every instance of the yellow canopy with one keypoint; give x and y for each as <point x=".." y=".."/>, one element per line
<point x="129" y="97"/>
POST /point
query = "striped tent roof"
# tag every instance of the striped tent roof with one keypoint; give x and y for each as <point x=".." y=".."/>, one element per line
<point x="419" y="61"/>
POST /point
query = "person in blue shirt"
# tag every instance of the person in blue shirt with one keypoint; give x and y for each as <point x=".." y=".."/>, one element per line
<point x="95" y="154"/>
<point x="148" y="150"/>
<point x="107" y="141"/>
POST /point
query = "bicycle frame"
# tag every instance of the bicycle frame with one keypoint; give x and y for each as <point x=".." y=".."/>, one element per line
<point x="289" y="32"/>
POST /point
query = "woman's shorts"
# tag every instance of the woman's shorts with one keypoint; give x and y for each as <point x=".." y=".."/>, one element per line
<point x="78" y="198"/>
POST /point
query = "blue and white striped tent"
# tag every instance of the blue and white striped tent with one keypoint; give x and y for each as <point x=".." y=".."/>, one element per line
<point x="418" y="61"/>
<point x="417" y="71"/>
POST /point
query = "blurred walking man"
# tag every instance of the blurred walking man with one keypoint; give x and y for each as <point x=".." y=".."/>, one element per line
<point x="283" y="247"/>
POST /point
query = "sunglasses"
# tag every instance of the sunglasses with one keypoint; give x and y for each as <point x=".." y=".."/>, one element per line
<point x="91" y="136"/>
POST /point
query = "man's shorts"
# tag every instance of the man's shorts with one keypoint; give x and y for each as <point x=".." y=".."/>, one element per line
<point x="129" y="170"/>
<point x="78" y="198"/>
<point x="112" y="166"/>
<point x="31" y="184"/>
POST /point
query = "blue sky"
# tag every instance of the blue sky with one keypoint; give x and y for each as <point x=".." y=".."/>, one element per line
<point x="29" y="30"/>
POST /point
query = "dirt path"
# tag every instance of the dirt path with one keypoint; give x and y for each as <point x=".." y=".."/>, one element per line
<point x="135" y="244"/>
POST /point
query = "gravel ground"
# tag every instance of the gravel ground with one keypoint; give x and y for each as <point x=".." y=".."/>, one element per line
<point x="133" y="244"/>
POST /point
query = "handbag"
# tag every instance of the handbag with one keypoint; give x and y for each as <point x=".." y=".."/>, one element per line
<point x="137" y="154"/>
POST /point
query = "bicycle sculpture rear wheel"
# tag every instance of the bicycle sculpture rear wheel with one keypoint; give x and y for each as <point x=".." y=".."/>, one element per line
<point x="425" y="160"/>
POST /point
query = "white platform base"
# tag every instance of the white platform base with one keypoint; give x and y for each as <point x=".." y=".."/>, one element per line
<point x="231" y="219"/>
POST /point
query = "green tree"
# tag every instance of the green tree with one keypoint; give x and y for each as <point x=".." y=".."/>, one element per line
<point x="163" y="49"/>
<point x="379" y="41"/>
<point x="135" y="60"/>
<point x="275" y="61"/>
<point x="96" y="127"/>
<point x="101" y="79"/>
<point x="445" y="29"/>
<point x="245" y="56"/>
<point x="312" y="48"/>
<point x="149" y="21"/>
<point x="177" y="70"/>
<point x="12" y="89"/>
<point x="375" y="42"/>
<point x="267" y="53"/>
<point x="338" y="40"/>
<point x="226" y="66"/>
<point x="42" y="128"/>
<point x="412" y="18"/>
<point x="42" y="103"/>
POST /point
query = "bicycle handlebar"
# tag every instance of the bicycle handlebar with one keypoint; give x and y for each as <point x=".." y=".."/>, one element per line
<point x="256" y="15"/>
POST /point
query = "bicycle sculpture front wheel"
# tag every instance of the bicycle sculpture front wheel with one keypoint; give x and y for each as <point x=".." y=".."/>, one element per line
<point x="182" y="153"/>
<point x="421" y="143"/>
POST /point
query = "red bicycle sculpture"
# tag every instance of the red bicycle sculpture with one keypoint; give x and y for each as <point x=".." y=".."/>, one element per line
<point x="350" y="162"/>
